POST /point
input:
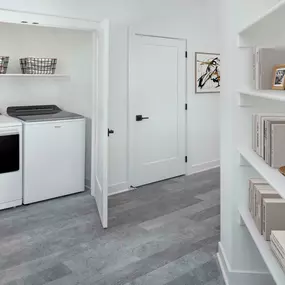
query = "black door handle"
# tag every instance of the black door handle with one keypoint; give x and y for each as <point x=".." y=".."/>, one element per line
<point x="110" y="132"/>
<point x="140" y="118"/>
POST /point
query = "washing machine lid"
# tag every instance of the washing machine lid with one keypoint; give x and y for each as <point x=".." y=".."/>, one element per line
<point x="39" y="113"/>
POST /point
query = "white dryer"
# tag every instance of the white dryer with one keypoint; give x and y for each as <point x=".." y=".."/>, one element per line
<point x="53" y="152"/>
<point x="11" y="193"/>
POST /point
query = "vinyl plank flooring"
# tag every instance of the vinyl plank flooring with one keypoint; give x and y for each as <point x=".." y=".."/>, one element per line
<point x="175" y="269"/>
<point x="162" y="233"/>
<point x="153" y="262"/>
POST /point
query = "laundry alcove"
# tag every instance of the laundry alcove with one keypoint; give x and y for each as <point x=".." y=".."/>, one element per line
<point x="80" y="83"/>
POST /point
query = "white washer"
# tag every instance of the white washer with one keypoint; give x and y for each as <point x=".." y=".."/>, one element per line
<point x="11" y="190"/>
<point x="53" y="152"/>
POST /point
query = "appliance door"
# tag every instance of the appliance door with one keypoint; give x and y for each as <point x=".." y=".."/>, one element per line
<point x="10" y="167"/>
<point x="54" y="161"/>
<point x="9" y="152"/>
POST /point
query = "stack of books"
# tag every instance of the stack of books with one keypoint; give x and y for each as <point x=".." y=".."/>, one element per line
<point x="266" y="207"/>
<point x="268" y="138"/>
<point x="277" y="242"/>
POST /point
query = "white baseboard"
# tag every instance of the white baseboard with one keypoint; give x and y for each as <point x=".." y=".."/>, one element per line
<point x="234" y="277"/>
<point x="223" y="265"/>
<point x="11" y="204"/>
<point x="203" y="167"/>
<point x="113" y="189"/>
<point x="119" y="188"/>
<point x="87" y="184"/>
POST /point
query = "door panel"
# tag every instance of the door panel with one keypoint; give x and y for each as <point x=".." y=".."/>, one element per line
<point x="99" y="180"/>
<point x="10" y="177"/>
<point x="158" y="92"/>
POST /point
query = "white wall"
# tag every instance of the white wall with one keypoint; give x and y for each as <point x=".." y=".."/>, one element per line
<point x="254" y="9"/>
<point x="193" y="20"/>
<point x="73" y="50"/>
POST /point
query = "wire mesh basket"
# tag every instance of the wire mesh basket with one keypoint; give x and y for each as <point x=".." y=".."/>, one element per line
<point x="4" y="61"/>
<point x="33" y="65"/>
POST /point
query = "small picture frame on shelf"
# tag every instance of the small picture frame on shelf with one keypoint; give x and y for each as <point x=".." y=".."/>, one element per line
<point x="278" y="82"/>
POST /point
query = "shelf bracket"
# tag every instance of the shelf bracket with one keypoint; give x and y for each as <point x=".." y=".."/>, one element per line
<point x="244" y="101"/>
<point x="241" y="221"/>
<point x="243" y="162"/>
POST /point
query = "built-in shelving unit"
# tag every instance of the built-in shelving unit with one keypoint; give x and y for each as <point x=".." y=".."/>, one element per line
<point x="271" y="175"/>
<point x="34" y="75"/>
<point x="244" y="247"/>
<point x="277" y="95"/>
<point x="263" y="247"/>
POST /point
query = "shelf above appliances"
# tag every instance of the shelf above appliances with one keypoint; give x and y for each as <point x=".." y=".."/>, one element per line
<point x="35" y="75"/>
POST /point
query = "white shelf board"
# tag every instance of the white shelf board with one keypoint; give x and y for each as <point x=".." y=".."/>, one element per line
<point x="271" y="175"/>
<point x="271" y="16"/>
<point x="263" y="247"/>
<point x="33" y="75"/>
<point x="278" y="95"/>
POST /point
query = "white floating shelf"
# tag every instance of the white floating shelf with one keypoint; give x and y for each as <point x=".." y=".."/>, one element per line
<point x="278" y="95"/>
<point x="34" y="75"/>
<point x="271" y="175"/>
<point x="264" y="248"/>
<point x="270" y="17"/>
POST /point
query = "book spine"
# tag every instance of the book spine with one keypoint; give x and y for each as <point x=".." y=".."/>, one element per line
<point x="257" y="135"/>
<point x="271" y="148"/>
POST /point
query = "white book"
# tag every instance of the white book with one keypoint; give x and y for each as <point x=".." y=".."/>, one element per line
<point x="264" y="61"/>
<point x="277" y="242"/>
<point x="264" y="127"/>
<point x="257" y="129"/>
<point x="273" y="216"/>
<point x="254" y="116"/>
<point x="277" y="145"/>
<point x="251" y="193"/>
<point x="276" y="250"/>
<point x="267" y="136"/>
<point x="262" y="192"/>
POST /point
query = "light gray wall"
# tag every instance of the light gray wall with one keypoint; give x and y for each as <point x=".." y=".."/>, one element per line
<point x="196" y="21"/>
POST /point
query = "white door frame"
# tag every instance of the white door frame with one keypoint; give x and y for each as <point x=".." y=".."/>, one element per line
<point x="132" y="34"/>
<point x="42" y="20"/>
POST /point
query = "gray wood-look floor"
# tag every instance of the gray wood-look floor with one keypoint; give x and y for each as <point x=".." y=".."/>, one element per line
<point x="164" y="233"/>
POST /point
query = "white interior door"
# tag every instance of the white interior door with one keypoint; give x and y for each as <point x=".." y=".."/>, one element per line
<point x="157" y="109"/>
<point x="99" y="183"/>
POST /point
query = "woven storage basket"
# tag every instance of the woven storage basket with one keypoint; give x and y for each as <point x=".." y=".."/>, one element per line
<point x="33" y="65"/>
<point x="4" y="61"/>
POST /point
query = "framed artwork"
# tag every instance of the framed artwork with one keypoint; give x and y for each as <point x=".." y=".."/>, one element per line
<point x="278" y="81"/>
<point x="207" y="72"/>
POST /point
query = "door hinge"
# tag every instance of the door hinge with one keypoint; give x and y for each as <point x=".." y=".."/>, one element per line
<point x="186" y="54"/>
<point x="186" y="159"/>
<point x="186" y="107"/>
